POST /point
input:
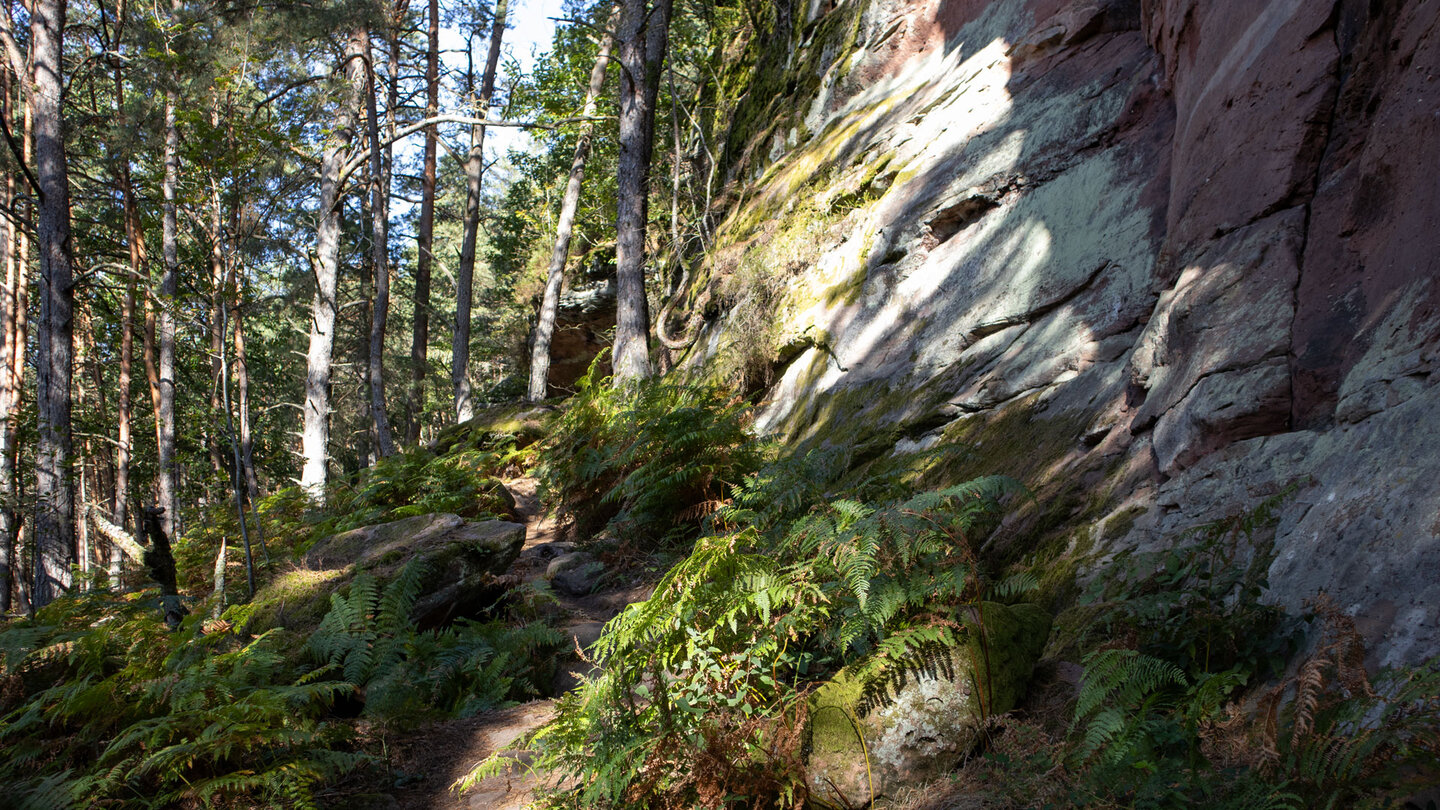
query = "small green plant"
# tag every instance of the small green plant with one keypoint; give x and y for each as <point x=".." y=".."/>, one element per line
<point x="417" y="482"/>
<point x="1199" y="603"/>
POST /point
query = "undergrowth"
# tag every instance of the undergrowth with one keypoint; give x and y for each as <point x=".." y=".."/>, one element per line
<point x="648" y="460"/>
<point x="701" y="693"/>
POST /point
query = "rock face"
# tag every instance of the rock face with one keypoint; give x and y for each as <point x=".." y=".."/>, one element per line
<point x="1193" y="246"/>
<point x="462" y="559"/>
<point x="928" y="724"/>
<point x="582" y="318"/>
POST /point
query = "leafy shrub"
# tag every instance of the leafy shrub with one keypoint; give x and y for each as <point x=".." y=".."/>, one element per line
<point x="660" y="454"/>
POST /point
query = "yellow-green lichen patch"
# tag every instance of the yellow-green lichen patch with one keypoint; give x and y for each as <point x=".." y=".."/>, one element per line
<point x="1119" y="524"/>
<point x="296" y="599"/>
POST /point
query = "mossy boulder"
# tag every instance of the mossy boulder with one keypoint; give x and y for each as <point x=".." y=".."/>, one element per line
<point x="522" y="423"/>
<point x="862" y="748"/>
<point x="463" y="559"/>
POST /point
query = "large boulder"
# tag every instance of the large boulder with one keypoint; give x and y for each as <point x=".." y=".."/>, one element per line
<point x="462" y="558"/>
<point x="862" y="748"/>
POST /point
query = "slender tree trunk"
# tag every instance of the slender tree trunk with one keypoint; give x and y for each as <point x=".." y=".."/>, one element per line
<point x="380" y="261"/>
<point x="120" y="508"/>
<point x="247" y="443"/>
<point x="474" y="168"/>
<point x="92" y="466"/>
<point x="135" y="241"/>
<point x="235" y="483"/>
<point x="545" y="324"/>
<point x="16" y="336"/>
<point x="8" y="305"/>
<point x="168" y="478"/>
<point x="217" y="306"/>
<point x="420" y="342"/>
<point x="55" y="494"/>
<point x="315" y="438"/>
<point x="644" y="36"/>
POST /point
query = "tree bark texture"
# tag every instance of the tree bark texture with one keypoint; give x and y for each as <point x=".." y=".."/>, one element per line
<point x="168" y="475"/>
<point x="380" y="261"/>
<point x="565" y="227"/>
<point x="16" y="335"/>
<point x="474" y="168"/>
<point x="315" y="436"/>
<point x="13" y="265"/>
<point x="644" y="36"/>
<point x="54" y="490"/>
<point x="420" y="341"/>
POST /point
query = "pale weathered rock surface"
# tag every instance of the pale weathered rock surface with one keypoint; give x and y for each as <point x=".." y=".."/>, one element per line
<point x="1199" y="235"/>
<point x="576" y="573"/>
<point x="922" y="729"/>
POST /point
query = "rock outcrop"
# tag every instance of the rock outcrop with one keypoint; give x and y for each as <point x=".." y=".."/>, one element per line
<point x="1158" y="257"/>
<point x="462" y="559"/>
<point x="582" y="318"/>
<point x="921" y="729"/>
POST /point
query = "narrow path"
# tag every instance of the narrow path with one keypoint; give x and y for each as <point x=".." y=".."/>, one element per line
<point x="431" y="758"/>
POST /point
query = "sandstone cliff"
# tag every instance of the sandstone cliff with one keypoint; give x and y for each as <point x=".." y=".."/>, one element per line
<point x="1160" y="258"/>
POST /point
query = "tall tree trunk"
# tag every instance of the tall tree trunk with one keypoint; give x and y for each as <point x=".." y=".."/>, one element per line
<point x="54" y="491"/>
<point x="235" y="481"/>
<point x="119" y="511"/>
<point x="420" y="342"/>
<point x="247" y="442"/>
<point x="380" y="261"/>
<point x="18" y="299"/>
<point x="8" y="401"/>
<point x="168" y="476"/>
<point x="545" y="324"/>
<point x="474" y="168"/>
<point x="217" y="307"/>
<point x="644" y="36"/>
<point x="315" y="438"/>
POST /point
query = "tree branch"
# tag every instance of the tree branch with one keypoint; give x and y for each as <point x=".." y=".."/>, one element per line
<point x="125" y="541"/>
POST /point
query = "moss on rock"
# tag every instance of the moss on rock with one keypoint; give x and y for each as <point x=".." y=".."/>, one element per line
<point x="860" y="751"/>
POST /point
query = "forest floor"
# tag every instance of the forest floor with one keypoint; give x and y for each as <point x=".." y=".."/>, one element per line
<point x="429" y="759"/>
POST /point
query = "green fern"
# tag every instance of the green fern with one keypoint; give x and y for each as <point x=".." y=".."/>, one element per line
<point x="740" y="629"/>
<point x="1122" y="695"/>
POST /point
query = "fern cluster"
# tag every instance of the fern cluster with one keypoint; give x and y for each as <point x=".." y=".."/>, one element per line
<point x="121" y="711"/>
<point x="701" y="689"/>
<point x="659" y="455"/>
<point x="418" y="482"/>
<point x="404" y="674"/>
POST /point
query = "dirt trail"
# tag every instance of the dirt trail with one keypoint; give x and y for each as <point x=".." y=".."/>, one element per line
<point x="431" y="758"/>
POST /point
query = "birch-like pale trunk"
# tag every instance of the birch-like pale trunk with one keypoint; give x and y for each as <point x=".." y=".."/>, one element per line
<point x="465" y="276"/>
<point x="54" y="487"/>
<point x="315" y="431"/>
<point x="167" y="474"/>
<point x="644" y="37"/>
<point x="564" y="229"/>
